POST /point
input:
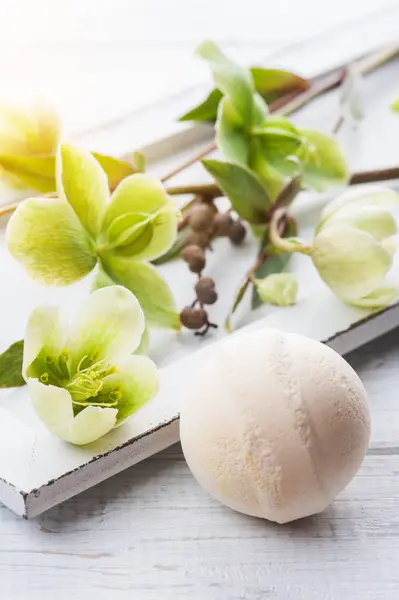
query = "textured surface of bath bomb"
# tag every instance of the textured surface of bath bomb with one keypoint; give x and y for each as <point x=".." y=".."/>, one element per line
<point x="276" y="425"/>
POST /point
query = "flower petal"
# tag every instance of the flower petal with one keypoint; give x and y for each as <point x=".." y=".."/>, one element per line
<point x="149" y="287"/>
<point x="378" y="197"/>
<point x="137" y="193"/>
<point x="351" y="262"/>
<point x="29" y="130"/>
<point x="137" y="379"/>
<point x="91" y="424"/>
<point x="109" y="324"/>
<point x="53" y="406"/>
<point x="280" y="289"/>
<point x="46" y="330"/>
<point x="378" y="299"/>
<point x="153" y="238"/>
<point x="45" y="235"/>
<point x="370" y="218"/>
<point x="84" y="184"/>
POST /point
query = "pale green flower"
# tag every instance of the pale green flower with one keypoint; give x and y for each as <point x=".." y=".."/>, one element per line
<point x="60" y="240"/>
<point x="280" y="289"/>
<point x="84" y="380"/>
<point x="352" y="249"/>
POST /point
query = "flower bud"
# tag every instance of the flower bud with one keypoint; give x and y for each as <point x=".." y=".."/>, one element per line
<point x="223" y="223"/>
<point x="237" y="233"/>
<point x="201" y="217"/>
<point x="352" y="249"/>
<point x="205" y="290"/>
<point x="194" y="257"/>
<point x="193" y="318"/>
<point x="280" y="289"/>
<point x="197" y="238"/>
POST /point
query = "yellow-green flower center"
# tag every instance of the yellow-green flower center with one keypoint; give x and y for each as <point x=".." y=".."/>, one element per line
<point x="88" y="383"/>
<point x="91" y="384"/>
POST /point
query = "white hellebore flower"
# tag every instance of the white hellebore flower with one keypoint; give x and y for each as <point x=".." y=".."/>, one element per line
<point x="85" y="381"/>
<point x="353" y="250"/>
<point x="280" y="289"/>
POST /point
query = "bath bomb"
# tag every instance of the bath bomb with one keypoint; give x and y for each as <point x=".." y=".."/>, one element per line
<point x="275" y="425"/>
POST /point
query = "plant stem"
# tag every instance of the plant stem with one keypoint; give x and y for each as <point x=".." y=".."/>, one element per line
<point x="211" y="189"/>
<point x="374" y="175"/>
<point x="191" y="161"/>
<point x="205" y="189"/>
<point x="285" y="244"/>
<point x="337" y="125"/>
<point x="8" y="209"/>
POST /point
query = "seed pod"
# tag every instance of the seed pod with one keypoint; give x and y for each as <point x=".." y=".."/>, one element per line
<point x="193" y="318"/>
<point x="205" y="290"/>
<point x="201" y="218"/>
<point x="196" y="238"/>
<point x="222" y="224"/>
<point x="194" y="257"/>
<point x="237" y="233"/>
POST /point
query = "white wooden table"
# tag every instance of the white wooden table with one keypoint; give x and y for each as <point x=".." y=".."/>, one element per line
<point x="151" y="533"/>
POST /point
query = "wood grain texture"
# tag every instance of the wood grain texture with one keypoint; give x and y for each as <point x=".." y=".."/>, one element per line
<point x="151" y="533"/>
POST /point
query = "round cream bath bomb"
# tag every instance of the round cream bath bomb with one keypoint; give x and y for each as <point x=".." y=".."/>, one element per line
<point x="275" y="425"/>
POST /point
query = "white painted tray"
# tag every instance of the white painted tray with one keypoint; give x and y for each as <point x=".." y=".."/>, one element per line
<point x="37" y="470"/>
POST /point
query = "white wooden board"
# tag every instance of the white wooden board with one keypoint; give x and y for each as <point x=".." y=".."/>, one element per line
<point x="38" y="470"/>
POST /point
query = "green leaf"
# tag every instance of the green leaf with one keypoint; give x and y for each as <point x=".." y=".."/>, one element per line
<point x="33" y="172"/>
<point x="115" y="169"/>
<point x="274" y="83"/>
<point x="275" y="263"/>
<point x="47" y="238"/>
<point x="147" y="285"/>
<point x="11" y="366"/>
<point x="230" y="135"/>
<point x="245" y="190"/>
<point x="206" y="110"/>
<point x="395" y="105"/>
<point x="239" y="296"/>
<point x="276" y="142"/>
<point x="144" y="342"/>
<point x="234" y="81"/>
<point x="101" y="279"/>
<point x="323" y="162"/>
<point x="270" y="83"/>
<point x="139" y="162"/>
<point x="85" y="186"/>
<point x="264" y="168"/>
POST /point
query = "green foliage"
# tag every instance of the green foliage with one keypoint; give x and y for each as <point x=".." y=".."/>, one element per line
<point x="323" y="163"/>
<point x="269" y="145"/>
<point x="234" y="81"/>
<point x="11" y="366"/>
<point x="245" y="190"/>
<point x="275" y="263"/>
<point x="271" y="84"/>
